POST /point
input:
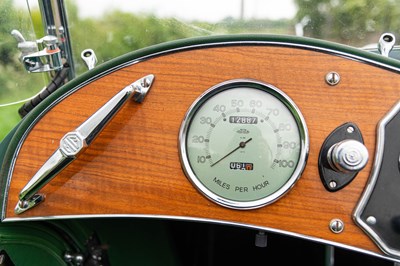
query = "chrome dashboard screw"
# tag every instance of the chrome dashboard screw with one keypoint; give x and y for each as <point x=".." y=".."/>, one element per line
<point x="332" y="78"/>
<point x="336" y="226"/>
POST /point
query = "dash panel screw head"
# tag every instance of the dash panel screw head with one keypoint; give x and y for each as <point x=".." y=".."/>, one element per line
<point x="336" y="226"/>
<point x="332" y="78"/>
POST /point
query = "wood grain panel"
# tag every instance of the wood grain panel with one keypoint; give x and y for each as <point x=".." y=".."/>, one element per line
<point x="133" y="166"/>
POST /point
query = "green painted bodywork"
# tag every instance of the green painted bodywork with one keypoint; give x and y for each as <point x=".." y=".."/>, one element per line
<point x="126" y="242"/>
<point x="31" y="245"/>
<point x="42" y="243"/>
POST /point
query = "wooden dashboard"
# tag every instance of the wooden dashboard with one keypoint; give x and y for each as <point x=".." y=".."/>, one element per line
<point x="133" y="167"/>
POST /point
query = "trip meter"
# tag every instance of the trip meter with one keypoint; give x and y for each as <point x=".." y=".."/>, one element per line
<point x="243" y="144"/>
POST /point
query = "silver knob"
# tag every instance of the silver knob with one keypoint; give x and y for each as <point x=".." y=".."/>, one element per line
<point x="348" y="156"/>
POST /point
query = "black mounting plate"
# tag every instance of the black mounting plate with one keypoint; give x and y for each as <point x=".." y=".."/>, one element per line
<point x="329" y="176"/>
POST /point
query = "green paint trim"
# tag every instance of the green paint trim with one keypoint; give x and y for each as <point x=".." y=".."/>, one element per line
<point x="5" y="164"/>
<point x="10" y="144"/>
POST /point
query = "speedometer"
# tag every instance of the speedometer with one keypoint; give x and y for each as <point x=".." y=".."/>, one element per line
<point x="243" y="144"/>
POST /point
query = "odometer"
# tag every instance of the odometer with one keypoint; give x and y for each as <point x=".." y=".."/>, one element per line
<point x="243" y="144"/>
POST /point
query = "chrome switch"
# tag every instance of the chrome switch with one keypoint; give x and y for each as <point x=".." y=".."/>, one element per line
<point x="348" y="156"/>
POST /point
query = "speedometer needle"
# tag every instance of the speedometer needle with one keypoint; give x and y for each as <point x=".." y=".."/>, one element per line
<point x="241" y="145"/>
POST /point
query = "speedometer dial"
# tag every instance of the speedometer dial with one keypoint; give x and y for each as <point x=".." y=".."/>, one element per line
<point x="243" y="144"/>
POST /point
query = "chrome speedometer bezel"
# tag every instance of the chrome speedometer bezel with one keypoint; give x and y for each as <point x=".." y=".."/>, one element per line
<point x="301" y="126"/>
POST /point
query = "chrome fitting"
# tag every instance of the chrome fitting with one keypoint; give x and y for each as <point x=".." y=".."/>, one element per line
<point x="332" y="78"/>
<point x="336" y="226"/>
<point x="89" y="57"/>
<point x="386" y="43"/>
<point x="48" y="59"/>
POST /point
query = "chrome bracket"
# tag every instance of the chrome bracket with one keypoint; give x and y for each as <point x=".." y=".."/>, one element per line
<point x="48" y="59"/>
<point x="75" y="142"/>
<point x="27" y="204"/>
<point x="89" y="57"/>
<point x="386" y="43"/>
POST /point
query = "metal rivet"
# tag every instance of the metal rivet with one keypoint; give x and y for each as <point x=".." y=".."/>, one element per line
<point x="332" y="78"/>
<point x="371" y="220"/>
<point x="336" y="226"/>
<point x="332" y="184"/>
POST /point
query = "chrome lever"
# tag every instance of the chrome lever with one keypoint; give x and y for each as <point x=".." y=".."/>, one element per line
<point x="75" y="142"/>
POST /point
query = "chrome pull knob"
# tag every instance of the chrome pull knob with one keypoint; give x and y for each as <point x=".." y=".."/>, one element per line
<point x="348" y="156"/>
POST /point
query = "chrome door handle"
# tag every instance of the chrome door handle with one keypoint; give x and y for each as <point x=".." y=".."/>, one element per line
<point x="75" y="142"/>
